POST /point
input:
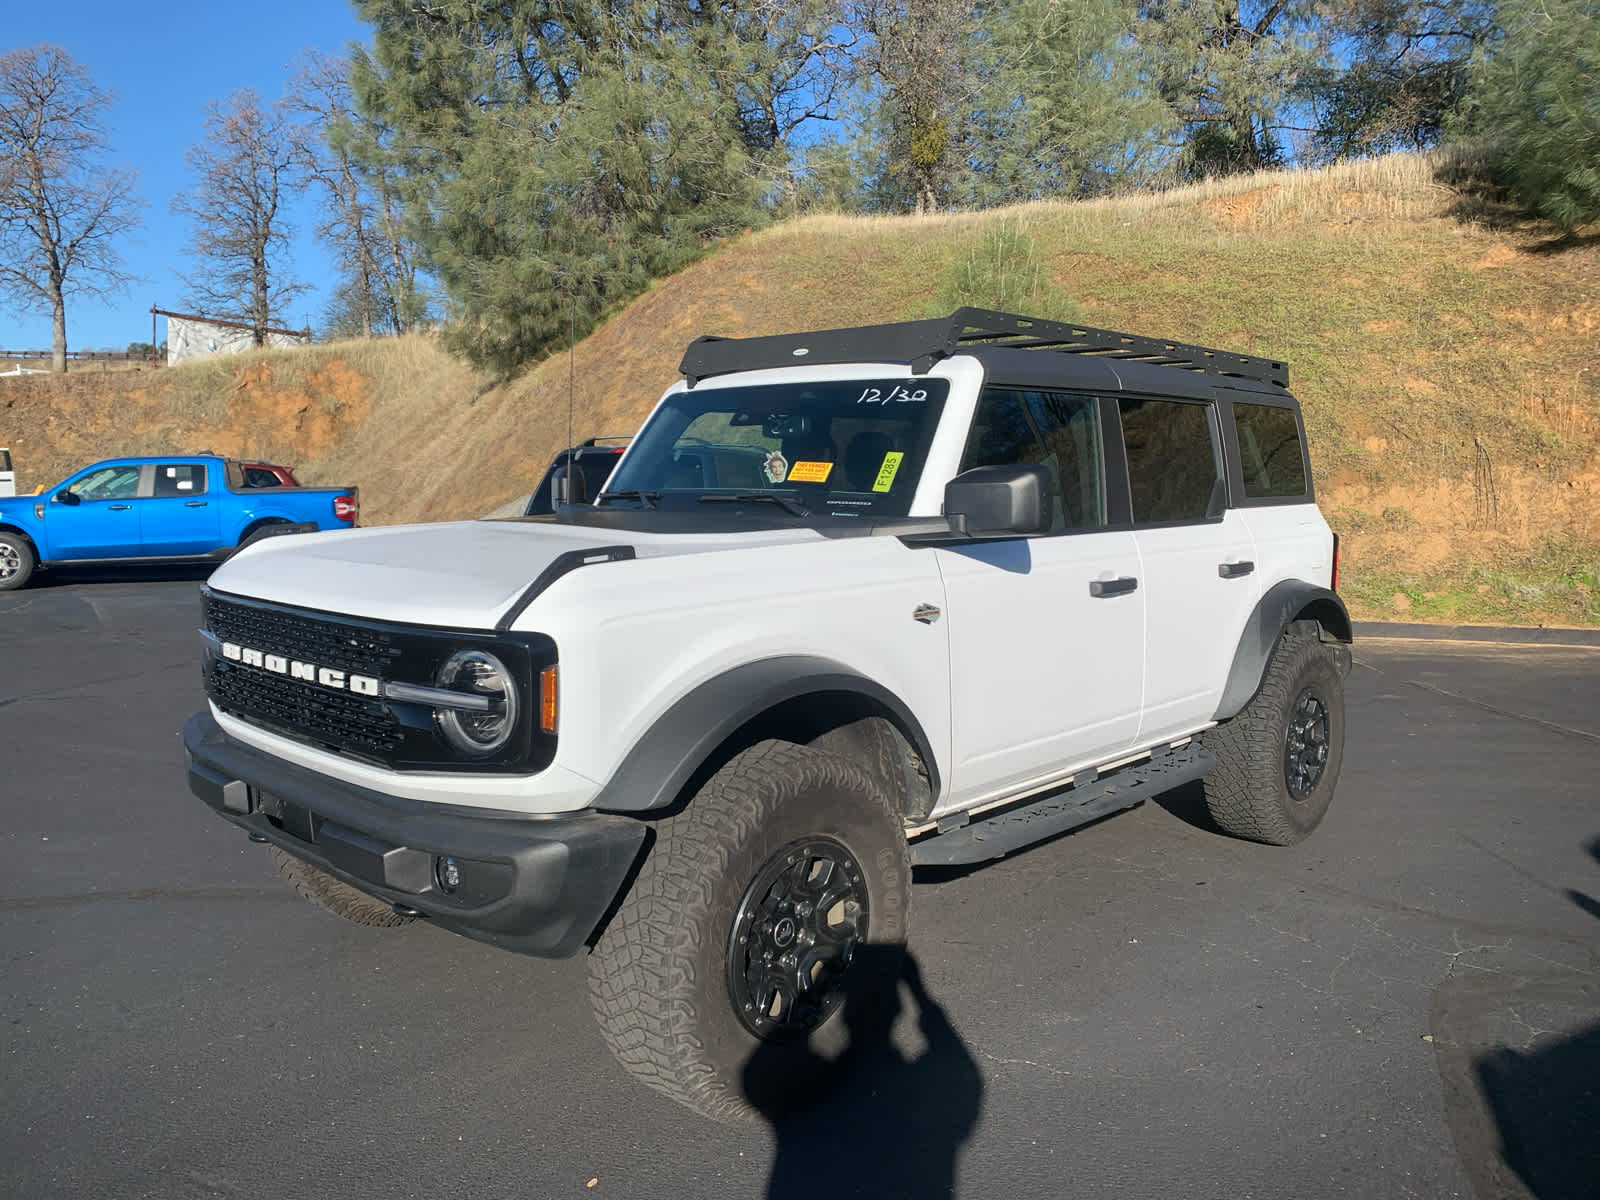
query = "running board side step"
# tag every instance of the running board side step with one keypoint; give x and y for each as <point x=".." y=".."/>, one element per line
<point x="1078" y="804"/>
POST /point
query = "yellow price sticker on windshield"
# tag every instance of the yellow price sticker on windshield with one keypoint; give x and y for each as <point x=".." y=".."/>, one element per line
<point x="810" y="472"/>
<point x="887" y="472"/>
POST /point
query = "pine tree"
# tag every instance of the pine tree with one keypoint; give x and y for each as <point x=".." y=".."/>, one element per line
<point x="1538" y="95"/>
<point x="558" y="157"/>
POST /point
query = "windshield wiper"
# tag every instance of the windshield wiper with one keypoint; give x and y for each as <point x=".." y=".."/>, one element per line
<point x="792" y="505"/>
<point x="648" y="499"/>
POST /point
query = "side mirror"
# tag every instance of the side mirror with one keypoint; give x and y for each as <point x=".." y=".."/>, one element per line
<point x="568" y="486"/>
<point x="68" y="496"/>
<point x="1007" y="501"/>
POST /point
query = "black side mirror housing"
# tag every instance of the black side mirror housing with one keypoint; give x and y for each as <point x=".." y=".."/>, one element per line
<point x="68" y="496"/>
<point x="1002" y="501"/>
<point x="568" y="486"/>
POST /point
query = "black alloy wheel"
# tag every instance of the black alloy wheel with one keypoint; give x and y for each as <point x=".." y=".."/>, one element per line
<point x="794" y="934"/>
<point x="1305" y="744"/>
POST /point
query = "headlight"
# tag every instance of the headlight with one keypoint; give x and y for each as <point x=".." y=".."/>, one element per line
<point x="480" y="730"/>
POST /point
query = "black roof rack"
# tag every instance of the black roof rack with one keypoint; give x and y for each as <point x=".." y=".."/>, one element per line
<point x="923" y="343"/>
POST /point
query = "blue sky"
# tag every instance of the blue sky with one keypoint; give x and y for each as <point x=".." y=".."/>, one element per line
<point x="164" y="63"/>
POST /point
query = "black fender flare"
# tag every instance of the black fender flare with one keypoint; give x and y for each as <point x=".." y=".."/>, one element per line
<point x="1291" y="600"/>
<point x="686" y="737"/>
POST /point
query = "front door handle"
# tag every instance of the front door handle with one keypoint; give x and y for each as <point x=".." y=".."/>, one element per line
<point x="194" y="503"/>
<point x="1235" y="570"/>
<point x="1112" y="587"/>
<point x="119" y="507"/>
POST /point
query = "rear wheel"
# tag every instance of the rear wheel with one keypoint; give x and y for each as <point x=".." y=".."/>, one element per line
<point x="16" y="561"/>
<point x="1278" y="760"/>
<point x="338" y="897"/>
<point x="777" y="896"/>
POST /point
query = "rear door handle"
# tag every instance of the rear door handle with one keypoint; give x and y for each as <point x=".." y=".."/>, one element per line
<point x="1235" y="570"/>
<point x="1112" y="587"/>
<point x="119" y="507"/>
<point x="194" y="503"/>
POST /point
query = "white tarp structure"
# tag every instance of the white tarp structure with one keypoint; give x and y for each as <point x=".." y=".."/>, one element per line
<point x="190" y="337"/>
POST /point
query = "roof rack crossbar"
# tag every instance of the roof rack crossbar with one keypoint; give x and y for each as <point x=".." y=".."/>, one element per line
<point x="923" y="343"/>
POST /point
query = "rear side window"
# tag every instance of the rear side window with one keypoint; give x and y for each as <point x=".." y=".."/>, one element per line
<point x="1270" y="451"/>
<point x="1172" y="460"/>
<point x="180" y="479"/>
<point x="1013" y="427"/>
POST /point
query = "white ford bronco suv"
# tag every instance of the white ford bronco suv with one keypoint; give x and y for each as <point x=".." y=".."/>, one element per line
<point x="853" y="600"/>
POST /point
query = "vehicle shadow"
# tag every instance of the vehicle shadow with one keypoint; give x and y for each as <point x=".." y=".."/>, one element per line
<point x="68" y="576"/>
<point x="1545" y="1100"/>
<point x="1187" y="802"/>
<point x="874" y="1120"/>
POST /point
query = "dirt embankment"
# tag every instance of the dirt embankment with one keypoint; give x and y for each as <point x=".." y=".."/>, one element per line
<point x="1449" y="369"/>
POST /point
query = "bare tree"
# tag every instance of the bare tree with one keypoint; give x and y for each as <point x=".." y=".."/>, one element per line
<point x="334" y="148"/>
<point x="61" y="210"/>
<point x="245" y="165"/>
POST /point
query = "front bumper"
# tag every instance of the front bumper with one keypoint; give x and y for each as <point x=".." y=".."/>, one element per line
<point x="537" y="885"/>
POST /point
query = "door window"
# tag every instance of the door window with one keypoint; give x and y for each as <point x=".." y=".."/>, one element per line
<point x="1172" y="461"/>
<point x="109" y="483"/>
<point x="180" y="479"/>
<point x="1015" y="427"/>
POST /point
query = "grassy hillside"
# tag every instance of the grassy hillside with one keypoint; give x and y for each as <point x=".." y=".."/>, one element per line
<point x="1449" y="367"/>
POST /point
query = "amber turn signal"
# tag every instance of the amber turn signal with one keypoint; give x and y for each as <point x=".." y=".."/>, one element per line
<point x="549" y="698"/>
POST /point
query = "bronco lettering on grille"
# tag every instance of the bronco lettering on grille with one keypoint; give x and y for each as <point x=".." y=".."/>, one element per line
<point x="328" y="677"/>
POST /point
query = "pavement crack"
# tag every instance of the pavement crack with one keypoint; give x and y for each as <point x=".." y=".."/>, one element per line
<point x="1553" y="726"/>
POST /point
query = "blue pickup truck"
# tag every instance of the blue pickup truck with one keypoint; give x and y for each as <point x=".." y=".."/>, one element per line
<point x="161" y="509"/>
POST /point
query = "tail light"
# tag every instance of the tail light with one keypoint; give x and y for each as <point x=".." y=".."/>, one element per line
<point x="346" y="507"/>
<point x="1335" y="583"/>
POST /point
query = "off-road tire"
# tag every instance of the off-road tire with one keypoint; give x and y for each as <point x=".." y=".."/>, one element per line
<point x="1249" y="794"/>
<point x="337" y="897"/>
<point x="16" y="561"/>
<point x="660" y="980"/>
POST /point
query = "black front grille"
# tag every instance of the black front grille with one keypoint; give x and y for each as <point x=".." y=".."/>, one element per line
<point x="391" y="732"/>
<point x="329" y="643"/>
<point x="332" y="719"/>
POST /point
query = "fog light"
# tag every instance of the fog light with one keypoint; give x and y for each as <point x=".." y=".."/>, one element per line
<point x="448" y="872"/>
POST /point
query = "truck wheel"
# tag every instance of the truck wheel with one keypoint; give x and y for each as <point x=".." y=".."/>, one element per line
<point x="334" y="895"/>
<point x="16" y="561"/>
<point x="1278" y="760"/>
<point x="783" y="886"/>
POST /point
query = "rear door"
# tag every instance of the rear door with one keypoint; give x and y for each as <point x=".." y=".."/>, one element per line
<point x="178" y="517"/>
<point x="1199" y="562"/>
<point x="1046" y="632"/>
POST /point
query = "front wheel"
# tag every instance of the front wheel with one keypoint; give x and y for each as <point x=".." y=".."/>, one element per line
<point x="779" y="894"/>
<point x="16" y="561"/>
<point x="1278" y="760"/>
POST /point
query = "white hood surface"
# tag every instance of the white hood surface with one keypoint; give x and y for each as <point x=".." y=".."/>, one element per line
<point x="461" y="575"/>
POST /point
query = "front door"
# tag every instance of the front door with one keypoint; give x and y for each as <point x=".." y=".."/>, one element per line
<point x="104" y="521"/>
<point x="1046" y="632"/>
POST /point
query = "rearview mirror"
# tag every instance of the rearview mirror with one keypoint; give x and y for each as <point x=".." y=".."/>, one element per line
<point x="68" y="496"/>
<point x="1004" y="501"/>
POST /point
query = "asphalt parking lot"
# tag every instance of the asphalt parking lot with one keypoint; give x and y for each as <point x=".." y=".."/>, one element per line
<point x="1408" y="1004"/>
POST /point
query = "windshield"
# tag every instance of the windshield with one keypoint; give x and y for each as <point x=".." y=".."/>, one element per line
<point x="847" y="448"/>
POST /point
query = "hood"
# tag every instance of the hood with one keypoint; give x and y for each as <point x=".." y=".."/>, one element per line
<point x="18" y="508"/>
<point x="461" y="575"/>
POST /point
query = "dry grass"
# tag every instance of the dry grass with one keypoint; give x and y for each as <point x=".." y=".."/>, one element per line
<point x="1449" y="368"/>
